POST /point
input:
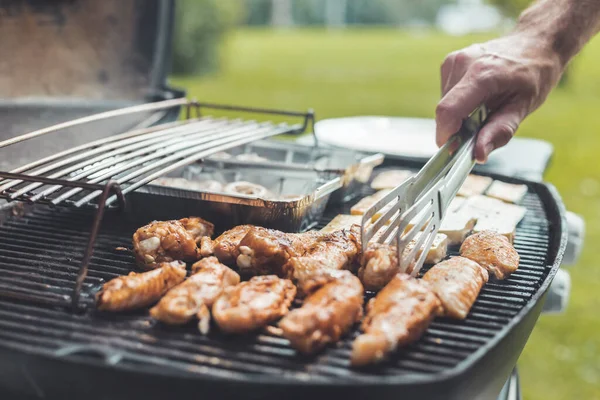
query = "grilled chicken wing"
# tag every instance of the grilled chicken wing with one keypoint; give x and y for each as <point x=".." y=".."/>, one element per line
<point x="379" y="265"/>
<point x="379" y="262"/>
<point x="138" y="290"/>
<point x="198" y="228"/>
<point x="225" y="247"/>
<point x="165" y="241"/>
<point x="457" y="283"/>
<point x="265" y="251"/>
<point x="397" y="316"/>
<point x="333" y="305"/>
<point x="188" y="299"/>
<point x="253" y="304"/>
<point x="332" y="251"/>
<point x="492" y="251"/>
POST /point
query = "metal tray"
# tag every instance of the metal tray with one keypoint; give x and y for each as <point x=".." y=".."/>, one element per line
<point x="353" y="167"/>
<point x="296" y="200"/>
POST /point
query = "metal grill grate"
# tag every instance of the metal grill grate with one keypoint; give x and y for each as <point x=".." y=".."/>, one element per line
<point x="39" y="255"/>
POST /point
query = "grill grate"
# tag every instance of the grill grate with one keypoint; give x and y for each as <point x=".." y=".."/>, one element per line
<point x="40" y="253"/>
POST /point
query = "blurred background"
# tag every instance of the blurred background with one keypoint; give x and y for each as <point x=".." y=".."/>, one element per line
<point x="382" y="57"/>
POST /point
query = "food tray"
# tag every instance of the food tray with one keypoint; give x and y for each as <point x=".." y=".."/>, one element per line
<point x="353" y="167"/>
<point x="295" y="200"/>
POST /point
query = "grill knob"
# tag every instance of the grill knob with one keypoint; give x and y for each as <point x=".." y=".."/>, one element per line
<point x="558" y="293"/>
<point x="576" y="227"/>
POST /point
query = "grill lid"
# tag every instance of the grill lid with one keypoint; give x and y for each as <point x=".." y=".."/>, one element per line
<point x="101" y="50"/>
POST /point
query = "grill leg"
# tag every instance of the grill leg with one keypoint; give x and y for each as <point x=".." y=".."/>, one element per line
<point x="512" y="387"/>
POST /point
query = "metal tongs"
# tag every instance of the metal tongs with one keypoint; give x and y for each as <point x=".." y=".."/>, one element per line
<point x="420" y="203"/>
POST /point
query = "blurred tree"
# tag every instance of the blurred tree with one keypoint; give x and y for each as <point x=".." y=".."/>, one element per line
<point x="199" y="28"/>
<point x="258" y="12"/>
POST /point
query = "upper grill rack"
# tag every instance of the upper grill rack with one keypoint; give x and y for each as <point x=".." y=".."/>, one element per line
<point x="88" y="174"/>
<point x="78" y="176"/>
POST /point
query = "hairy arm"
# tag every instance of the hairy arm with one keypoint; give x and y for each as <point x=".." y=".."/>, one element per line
<point x="513" y="74"/>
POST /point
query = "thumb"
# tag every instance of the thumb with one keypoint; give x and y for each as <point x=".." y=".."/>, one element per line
<point x="500" y="127"/>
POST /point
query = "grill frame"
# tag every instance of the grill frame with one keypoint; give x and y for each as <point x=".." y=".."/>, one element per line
<point x="483" y="372"/>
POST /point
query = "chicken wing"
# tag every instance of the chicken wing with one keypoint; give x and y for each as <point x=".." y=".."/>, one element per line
<point x="165" y="241"/>
<point x="198" y="228"/>
<point x="379" y="262"/>
<point x="185" y="301"/>
<point x="492" y="251"/>
<point x="332" y="251"/>
<point x="138" y="290"/>
<point x="225" y="247"/>
<point x="379" y="265"/>
<point x="333" y="306"/>
<point x="397" y="316"/>
<point x="253" y="304"/>
<point x="265" y="251"/>
<point x="457" y="283"/>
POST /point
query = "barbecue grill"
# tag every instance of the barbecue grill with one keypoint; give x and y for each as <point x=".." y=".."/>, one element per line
<point x="61" y="238"/>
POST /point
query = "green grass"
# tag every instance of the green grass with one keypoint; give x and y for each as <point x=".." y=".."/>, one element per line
<point x="389" y="72"/>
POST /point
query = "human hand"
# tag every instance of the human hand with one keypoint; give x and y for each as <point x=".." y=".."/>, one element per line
<point x="511" y="75"/>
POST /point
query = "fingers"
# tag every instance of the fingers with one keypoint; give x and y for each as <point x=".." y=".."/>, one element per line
<point x="498" y="130"/>
<point x="456" y="65"/>
<point x="457" y="104"/>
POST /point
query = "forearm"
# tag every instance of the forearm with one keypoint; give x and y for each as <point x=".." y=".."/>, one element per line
<point x="563" y="26"/>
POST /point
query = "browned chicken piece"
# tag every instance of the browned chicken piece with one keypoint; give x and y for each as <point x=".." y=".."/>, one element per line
<point x="332" y="251"/>
<point x="165" y="241"/>
<point x="265" y="251"/>
<point x="492" y="251"/>
<point x="225" y="247"/>
<point x="253" y="304"/>
<point x="379" y="265"/>
<point x="457" y="283"/>
<point x="333" y="306"/>
<point x="397" y="316"/>
<point x="198" y="228"/>
<point x="379" y="262"/>
<point x="188" y="299"/>
<point x="138" y="290"/>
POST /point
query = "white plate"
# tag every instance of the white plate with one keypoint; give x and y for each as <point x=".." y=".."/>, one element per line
<point x="404" y="137"/>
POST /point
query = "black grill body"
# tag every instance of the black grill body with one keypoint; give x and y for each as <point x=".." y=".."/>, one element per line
<point x="51" y="352"/>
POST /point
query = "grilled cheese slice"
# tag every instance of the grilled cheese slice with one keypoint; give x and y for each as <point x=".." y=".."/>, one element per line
<point x="437" y="252"/>
<point x="342" y="221"/>
<point x="507" y="192"/>
<point x="365" y="203"/>
<point x="390" y="179"/>
<point x="494" y="215"/>
<point x="483" y="207"/>
<point x="457" y="226"/>
<point x="474" y="185"/>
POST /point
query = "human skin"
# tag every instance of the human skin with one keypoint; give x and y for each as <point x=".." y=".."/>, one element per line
<point x="513" y="75"/>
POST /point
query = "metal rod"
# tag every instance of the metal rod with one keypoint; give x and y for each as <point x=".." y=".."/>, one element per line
<point x="178" y="152"/>
<point x="111" y="186"/>
<point x="95" y="117"/>
<point x="253" y="109"/>
<point x="49" y="181"/>
<point x="103" y="143"/>
<point x="106" y="159"/>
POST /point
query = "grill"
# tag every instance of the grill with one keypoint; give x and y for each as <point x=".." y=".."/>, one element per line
<point x="40" y="251"/>
<point x="52" y="351"/>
